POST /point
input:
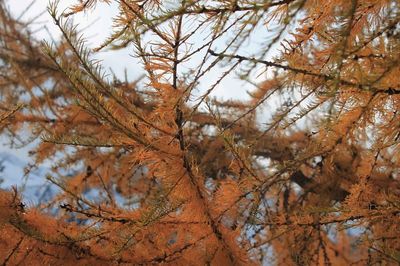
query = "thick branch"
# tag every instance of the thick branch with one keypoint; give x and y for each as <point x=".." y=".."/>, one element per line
<point x="366" y="87"/>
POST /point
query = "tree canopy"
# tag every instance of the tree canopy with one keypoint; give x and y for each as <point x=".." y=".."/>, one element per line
<point x="156" y="170"/>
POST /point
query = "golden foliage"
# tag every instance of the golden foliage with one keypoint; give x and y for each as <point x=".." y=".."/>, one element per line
<point x="158" y="171"/>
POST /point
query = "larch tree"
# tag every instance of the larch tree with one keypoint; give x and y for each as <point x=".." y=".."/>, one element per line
<point x="305" y="171"/>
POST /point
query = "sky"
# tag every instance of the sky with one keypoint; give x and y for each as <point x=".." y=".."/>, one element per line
<point x="97" y="26"/>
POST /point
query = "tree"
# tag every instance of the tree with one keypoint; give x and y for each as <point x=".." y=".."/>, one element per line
<point x="306" y="172"/>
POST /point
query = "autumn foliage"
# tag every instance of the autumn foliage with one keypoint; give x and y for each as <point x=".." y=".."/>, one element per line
<point x="156" y="170"/>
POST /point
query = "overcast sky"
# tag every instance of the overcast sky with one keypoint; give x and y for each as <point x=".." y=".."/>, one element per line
<point x="97" y="27"/>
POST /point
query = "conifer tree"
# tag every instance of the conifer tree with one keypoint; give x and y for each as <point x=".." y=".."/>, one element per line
<point x="306" y="171"/>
